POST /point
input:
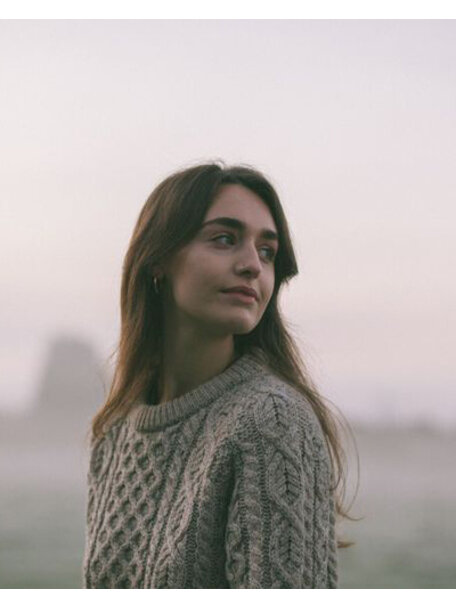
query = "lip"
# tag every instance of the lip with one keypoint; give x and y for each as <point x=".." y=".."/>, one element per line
<point x="242" y="289"/>
<point x="240" y="296"/>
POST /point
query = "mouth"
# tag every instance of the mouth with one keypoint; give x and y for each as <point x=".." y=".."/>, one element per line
<point x="245" y="289"/>
<point x="240" y="296"/>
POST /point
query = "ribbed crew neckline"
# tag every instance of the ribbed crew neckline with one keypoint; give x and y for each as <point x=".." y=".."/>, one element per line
<point x="146" y="417"/>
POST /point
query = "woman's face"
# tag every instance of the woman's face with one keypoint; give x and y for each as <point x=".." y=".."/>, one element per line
<point x="221" y="257"/>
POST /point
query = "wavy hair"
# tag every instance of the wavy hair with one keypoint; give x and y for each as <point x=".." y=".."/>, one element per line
<point x="169" y="219"/>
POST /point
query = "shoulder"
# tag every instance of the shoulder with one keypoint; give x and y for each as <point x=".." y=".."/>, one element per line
<point x="102" y="450"/>
<point x="277" y="434"/>
<point x="276" y="411"/>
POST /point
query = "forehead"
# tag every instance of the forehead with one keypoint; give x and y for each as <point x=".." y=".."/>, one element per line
<point x="237" y="201"/>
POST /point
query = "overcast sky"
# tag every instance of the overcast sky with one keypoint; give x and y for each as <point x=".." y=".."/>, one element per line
<point x="354" y="122"/>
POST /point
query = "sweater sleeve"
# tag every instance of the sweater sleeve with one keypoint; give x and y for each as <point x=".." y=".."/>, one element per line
<point x="277" y="532"/>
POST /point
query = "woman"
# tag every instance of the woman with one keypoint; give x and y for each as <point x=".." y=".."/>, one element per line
<point x="213" y="460"/>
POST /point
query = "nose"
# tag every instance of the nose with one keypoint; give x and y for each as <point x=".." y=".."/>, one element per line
<point x="249" y="260"/>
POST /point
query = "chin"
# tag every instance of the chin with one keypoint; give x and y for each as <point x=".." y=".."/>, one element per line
<point x="241" y="321"/>
<point x="223" y="327"/>
<point x="242" y="326"/>
<point x="240" y="330"/>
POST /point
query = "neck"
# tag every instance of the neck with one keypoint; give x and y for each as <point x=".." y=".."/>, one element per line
<point x="188" y="363"/>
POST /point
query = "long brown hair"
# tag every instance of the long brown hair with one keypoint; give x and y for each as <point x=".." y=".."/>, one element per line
<point x="169" y="219"/>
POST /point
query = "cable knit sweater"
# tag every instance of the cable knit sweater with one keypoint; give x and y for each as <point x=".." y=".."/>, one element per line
<point x="226" y="486"/>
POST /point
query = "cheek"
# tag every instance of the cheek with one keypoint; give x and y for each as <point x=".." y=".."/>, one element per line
<point x="197" y="279"/>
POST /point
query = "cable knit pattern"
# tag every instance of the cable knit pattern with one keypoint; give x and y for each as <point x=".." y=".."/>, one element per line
<point x="227" y="486"/>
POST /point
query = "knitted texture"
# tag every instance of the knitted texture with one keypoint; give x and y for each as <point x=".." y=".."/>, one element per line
<point x="227" y="486"/>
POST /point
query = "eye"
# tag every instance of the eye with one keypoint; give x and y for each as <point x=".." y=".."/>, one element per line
<point x="270" y="251"/>
<point x="223" y="236"/>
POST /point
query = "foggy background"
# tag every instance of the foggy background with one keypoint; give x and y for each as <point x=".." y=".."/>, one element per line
<point x="355" y="124"/>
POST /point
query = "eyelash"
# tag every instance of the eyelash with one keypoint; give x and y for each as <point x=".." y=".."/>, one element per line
<point x="272" y="251"/>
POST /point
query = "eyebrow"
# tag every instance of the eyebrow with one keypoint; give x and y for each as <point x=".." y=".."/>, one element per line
<point x="232" y="222"/>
